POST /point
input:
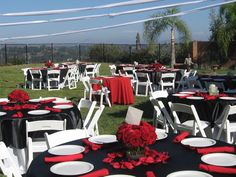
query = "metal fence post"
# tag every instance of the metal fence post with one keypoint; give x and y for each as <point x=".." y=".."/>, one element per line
<point x="79" y="52"/>
<point x="159" y="51"/>
<point x="130" y="52"/>
<point x="52" y="52"/>
<point x="26" y="54"/>
<point x="5" y="53"/>
<point x="103" y="52"/>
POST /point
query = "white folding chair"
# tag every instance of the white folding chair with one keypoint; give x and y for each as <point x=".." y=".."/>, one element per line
<point x="113" y="70"/>
<point x="159" y="94"/>
<point x="142" y="80"/>
<point x="182" y="82"/>
<point x="70" y="79"/>
<point x="89" y="92"/>
<point x="26" y="82"/>
<point x="90" y="70"/>
<point x="92" y="125"/>
<point x="39" y="144"/>
<point x="90" y="105"/>
<point x="53" y="80"/>
<point x="167" y="80"/>
<point x="64" y="136"/>
<point x="37" y="79"/>
<point x="194" y="124"/>
<point x="228" y="127"/>
<point x="7" y="164"/>
<point x="97" y="69"/>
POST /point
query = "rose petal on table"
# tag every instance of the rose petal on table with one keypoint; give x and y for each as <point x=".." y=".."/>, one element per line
<point x="150" y="174"/>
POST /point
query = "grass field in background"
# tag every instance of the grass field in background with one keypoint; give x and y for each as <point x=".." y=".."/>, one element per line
<point x="12" y="76"/>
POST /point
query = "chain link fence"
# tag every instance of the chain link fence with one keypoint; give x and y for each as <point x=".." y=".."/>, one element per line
<point x="12" y="54"/>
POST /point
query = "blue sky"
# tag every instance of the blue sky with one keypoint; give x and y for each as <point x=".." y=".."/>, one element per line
<point x="198" y="23"/>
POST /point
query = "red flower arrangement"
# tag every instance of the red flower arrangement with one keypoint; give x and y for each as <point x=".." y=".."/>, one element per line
<point x="136" y="136"/>
<point x="49" y="64"/>
<point x="18" y="96"/>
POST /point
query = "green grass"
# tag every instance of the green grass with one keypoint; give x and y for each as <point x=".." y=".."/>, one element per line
<point x="12" y="76"/>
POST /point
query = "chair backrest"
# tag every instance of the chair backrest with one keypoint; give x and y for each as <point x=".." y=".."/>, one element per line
<point x="159" y="94"/>
<point x="187" y="109"/>
<point x="113" y="70"/>
<point x="44" y="125"/>
<point x="35" y="73"/>
<point x="92" y="126"/>
<point x="142" y="77"/>
<point x="168" y="76"/>
<point x="90" y="70"/>
<point x="192" y="73"/>
<point x="97" y="69"/>
<point x="7" y="164"/>
<point x="90" y="105"/>
<point x="64" y="136"/>
<point x="53" y="73"/>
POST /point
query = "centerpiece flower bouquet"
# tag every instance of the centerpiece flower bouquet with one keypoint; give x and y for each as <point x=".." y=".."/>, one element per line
<point x="136" y="137"/>
<point x="18" y="96"/>
<point x="49" y="64"/>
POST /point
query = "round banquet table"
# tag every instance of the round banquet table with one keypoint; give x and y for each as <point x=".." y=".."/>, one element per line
<point x="13" y="129"/>
<point x="120" y="88"/>
<point x="208" y="110"/>
<point x="181" y="158"/>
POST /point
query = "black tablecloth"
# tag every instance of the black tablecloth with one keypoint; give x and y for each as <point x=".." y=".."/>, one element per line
<point x="208" y="110"/>
<point x="181" y="158"/>
<point x="13" y="129"/>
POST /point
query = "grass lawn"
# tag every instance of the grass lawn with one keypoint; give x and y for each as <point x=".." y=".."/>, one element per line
<point x="12" y="76"/>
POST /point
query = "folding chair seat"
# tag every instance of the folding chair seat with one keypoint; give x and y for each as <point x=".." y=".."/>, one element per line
<point x="193" y="125"/>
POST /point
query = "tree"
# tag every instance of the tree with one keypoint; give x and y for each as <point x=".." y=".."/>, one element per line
<point x="154" y="28"/>
<point x="223" y="28"/>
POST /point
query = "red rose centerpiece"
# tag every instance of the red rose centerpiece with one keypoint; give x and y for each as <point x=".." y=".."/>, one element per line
<point x="18" y="96"/>
<point x="136" y="137"/>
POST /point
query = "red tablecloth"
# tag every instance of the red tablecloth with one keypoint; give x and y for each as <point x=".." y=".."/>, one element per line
<point x="121" y="90"/>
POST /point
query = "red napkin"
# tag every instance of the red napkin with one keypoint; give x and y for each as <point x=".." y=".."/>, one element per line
<point x="97" y="173"/>
<point x="180" y="137"/>
<point x="63" y="158"/>
<point x="30" y="106"/>
<point x="52" y="109"/>
<point x="48" y="101"/>
<point x="64" y="103"/>
<point x="3" y="103"/>
<point x="150" y="174"/>
<point x="18" y="115"/>
<point x="92" y="146"/>
<point x="215" y="149"/>
<point x="8" y="108"/>
<point x="217" y="169"/>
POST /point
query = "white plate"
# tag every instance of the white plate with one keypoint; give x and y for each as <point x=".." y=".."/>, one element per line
<point x="35" y="100"/>
<point x="188" y="173"/>
<point x="161" y="134"/>
<point x="4" y="100"/>
<point x="119" y="175"/>
<point x="71" y="168"/>
<point x="187" y="92"/>
<point x="198" y="142"/>
<point x="103" y="139"/>
<point x="195" y="97"/>
<point x="66" y="150"/>
<point x="227" y="98"/>
<point x="179" y="94"/>
<point x="63" y="106"/>
<point x="62" y="101"/>
<point x="2" y="113"/>
<point x="220" y="159"/>
<point x="38" y="112"/>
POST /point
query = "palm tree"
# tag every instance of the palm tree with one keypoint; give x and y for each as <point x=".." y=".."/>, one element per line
<point x="153" y="29"/>
<point x="223" y="28"/>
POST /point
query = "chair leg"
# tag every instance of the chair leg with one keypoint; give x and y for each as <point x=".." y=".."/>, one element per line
<point x="101" y="99"/>
<point x="108" y="100"/>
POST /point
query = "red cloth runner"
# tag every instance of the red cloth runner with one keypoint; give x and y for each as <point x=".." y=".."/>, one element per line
<point x="180" y="137"/>
<point x="150" y="174"/>
<point x="63" y="158"/>
<point x="217" y="169"/>
<point x="215" y="149"/>
<point x="91" y="146"/>
<point x="48" y="101"/>
<point x="17" y="115"/>
<point x="97" y="173"/>
<point x="52" y="109"/>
